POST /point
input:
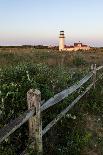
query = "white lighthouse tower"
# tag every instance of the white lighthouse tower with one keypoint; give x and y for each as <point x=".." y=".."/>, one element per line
<point x="61" y="41"/>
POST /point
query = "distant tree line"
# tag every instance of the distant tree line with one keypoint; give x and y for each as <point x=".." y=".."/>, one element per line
<point x="32" y="46"/>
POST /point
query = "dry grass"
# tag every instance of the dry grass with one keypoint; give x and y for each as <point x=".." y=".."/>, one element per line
<point x="14" y="56"/>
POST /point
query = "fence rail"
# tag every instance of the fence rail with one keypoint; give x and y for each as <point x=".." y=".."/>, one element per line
<point x="15" y="124"/>
<point x="98" y="68"/>
<point x="60" y="96"/>
<point x="36" y="106"/>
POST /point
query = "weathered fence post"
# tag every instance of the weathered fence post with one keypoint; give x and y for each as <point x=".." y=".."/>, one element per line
<point x="35" y="122"/>
<point x="93" y="68"/>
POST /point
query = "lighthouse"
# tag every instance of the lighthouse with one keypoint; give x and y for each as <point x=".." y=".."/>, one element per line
<point x="61" y="41"/>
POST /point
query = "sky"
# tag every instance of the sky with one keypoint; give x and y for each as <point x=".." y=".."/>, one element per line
<point x="39" y="21"/>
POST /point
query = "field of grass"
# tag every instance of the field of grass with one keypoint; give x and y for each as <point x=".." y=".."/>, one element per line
<point x="52" y="71"/>
<point x="14" y="56"/>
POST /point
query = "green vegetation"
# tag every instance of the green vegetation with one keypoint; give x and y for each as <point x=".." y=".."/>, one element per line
<point x="81" y="130"/>
<point x="78" y="60"/>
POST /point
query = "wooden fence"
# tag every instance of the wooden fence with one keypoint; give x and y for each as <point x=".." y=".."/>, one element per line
<point x="36" y="107"/>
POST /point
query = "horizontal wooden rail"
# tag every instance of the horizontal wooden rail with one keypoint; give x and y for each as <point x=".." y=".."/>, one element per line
<point x="59" y="116"/>
<point x="60" y="96"/>
<point x="98" y="68"/>
<point x="15" y="124"/>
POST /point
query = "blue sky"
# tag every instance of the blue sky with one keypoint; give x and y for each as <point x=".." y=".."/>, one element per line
<point x="39" y="21"/>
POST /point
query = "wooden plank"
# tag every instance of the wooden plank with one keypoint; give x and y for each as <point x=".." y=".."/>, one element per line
<point x="35" y="122"/>
<point x="59" y="116"/>
<point x="7" y="130"/>
<point x="98" y="68"/>
<point x="60" y="96"/>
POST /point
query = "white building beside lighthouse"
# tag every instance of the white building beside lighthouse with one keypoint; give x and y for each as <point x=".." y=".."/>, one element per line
<point x="75" y="47"/>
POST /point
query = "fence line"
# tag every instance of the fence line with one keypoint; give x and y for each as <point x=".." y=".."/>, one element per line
<point x="60" y="96"/>
<point x="59" y="116"/>
<point x="36" y="106"/>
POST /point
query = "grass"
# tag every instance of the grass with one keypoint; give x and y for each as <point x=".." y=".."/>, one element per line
<point x="51" y="72"/>
<point x="16" y="56"/>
